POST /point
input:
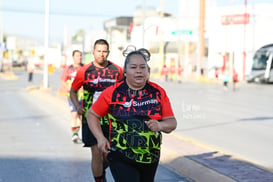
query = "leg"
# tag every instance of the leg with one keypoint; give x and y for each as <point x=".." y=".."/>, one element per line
<point x="75" y="122"/>
<point x="122" y="171"/>
<point x="97" y="163"/>
<point x="75" y="127"/>
<point x="131" y="171"/>
<point x="30" y="76"/>
<point x="147" y="172"/>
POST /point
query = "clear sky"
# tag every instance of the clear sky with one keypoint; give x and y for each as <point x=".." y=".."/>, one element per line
<point x="26" y="17"/>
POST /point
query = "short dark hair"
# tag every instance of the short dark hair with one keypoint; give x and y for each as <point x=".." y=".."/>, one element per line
<point x="101" y="42"/>
<point x="75" y="51"/>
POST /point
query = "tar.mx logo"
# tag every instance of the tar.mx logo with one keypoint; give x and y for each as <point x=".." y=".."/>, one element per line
<point x="192" y="111"/>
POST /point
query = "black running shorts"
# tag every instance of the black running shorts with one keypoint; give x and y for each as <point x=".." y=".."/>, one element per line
<point x="88" y="138"/>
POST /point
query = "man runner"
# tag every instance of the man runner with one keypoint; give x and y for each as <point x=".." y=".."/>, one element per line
<point x="67" y="78"/>
<point x="94" y="78"/>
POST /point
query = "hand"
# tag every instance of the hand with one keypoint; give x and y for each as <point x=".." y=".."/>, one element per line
<point x="154" y="125"/>
<point x="104" y="145"/>
<point x="80" y="110"/>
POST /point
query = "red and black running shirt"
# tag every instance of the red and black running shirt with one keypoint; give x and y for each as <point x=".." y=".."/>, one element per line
<point x="69" y="73"/>
<point x="94" y="80"/>
<point x="127" y="110"/>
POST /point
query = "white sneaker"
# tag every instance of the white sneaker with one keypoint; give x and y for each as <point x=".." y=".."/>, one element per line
<point x="75" y="138"/>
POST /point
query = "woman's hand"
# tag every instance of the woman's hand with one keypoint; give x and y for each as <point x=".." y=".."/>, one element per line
<point x="154" y="125"/>
<point x="166" y="125"/>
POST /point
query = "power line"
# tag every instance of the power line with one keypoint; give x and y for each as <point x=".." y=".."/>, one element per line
<point x="57" y="13"/>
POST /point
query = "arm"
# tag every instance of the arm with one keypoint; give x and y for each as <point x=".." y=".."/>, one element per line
<point x="64" y="79"/>
<point x="74" y="99"/>
<point x="93" y="121"/>
<point x="168" y="122"/>
<point x="166" y="125"/>
<point x="65" y="85"/>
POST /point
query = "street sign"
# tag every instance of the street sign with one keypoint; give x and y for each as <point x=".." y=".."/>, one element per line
<point x="182" y="32"/>
<point x="235" y="19"/>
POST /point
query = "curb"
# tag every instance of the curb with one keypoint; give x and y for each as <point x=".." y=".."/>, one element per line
<point x="174" y="155"/>
<point x="202" y="162"/>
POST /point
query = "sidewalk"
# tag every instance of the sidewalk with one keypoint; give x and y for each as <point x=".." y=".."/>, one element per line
<point x="8" y="75"/>
<point x="195" y="160"/>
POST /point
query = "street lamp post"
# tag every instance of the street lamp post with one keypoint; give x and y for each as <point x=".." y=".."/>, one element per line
<point x="1" y="39"/>
<point x="45" y="78"/>
<point x="202" y="15"/>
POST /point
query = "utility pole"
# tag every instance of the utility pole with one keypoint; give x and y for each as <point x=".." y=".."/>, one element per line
<point x="202" y="16"/>
<point x="45" y="78"/>
<point x="1" y="23"/>
<point x="232" y="52"/>
<point x="143" y="22"/>
<point x="244" y="47"/>
<point x="161" y="43"/>
<point x="1" y="39"/>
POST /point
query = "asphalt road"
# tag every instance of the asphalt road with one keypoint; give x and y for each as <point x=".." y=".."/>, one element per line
<point x="35" y="138"/>
<point x="237" y="122"/>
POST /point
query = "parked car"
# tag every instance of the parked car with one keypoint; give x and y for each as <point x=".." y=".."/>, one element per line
<point x="16" y="63"/>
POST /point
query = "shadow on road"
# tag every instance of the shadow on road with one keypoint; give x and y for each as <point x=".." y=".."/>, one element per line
<point x="44" y="170"/>
<point x="234" y="168"/>
<point x="256" y="118"/>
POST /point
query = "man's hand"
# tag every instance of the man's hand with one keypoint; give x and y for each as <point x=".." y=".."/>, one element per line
<point x="80" y="110"/>
<point x="103" y="145"/>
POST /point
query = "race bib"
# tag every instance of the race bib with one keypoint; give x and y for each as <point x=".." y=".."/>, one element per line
<point x="96" y="96"/>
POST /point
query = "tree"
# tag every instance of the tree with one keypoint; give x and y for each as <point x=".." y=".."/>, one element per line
<point x="79" y="36"/>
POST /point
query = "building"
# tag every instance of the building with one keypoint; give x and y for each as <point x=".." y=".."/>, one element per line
<point x="235" y="33"/>
<point x="118" y="35"/>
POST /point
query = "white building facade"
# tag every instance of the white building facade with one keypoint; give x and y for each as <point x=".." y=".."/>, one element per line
<point x="234" y="34"/>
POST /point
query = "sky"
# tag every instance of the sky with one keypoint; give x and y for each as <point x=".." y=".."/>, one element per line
<point x="26" y="17"/>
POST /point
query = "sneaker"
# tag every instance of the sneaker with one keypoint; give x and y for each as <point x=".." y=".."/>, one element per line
<point x="75" y="138"/>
